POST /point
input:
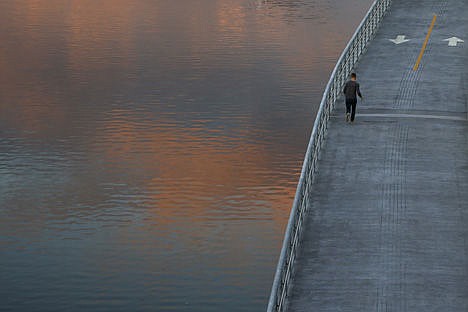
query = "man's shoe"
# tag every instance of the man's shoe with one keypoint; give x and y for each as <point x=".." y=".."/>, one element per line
<point x="347" y="117"/>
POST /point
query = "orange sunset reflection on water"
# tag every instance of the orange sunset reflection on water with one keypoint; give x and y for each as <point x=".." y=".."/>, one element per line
<point x="150" y="150"/>
<point x="197" y="168"/>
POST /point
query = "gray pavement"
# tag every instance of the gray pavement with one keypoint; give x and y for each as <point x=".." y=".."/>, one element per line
<point x="388" y="229"/>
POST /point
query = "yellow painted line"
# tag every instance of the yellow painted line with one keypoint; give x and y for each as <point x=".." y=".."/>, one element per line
<point x="423" y="48"/>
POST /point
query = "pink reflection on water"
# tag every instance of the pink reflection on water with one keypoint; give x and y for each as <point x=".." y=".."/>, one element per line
<point x="163" y="138"/>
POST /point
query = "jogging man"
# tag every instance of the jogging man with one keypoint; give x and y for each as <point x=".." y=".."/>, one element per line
<point x="351" y="89"/>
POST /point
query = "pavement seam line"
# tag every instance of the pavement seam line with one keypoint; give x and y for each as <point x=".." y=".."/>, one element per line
<point x="392" y="115"/>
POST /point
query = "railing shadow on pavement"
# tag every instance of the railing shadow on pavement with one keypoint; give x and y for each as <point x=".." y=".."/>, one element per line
<point x="350" y="56"/>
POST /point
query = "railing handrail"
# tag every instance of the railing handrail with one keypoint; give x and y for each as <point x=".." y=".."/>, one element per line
<point x="342" y="69"/>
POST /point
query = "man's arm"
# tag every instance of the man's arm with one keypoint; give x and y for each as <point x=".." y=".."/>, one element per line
<point x="358" y="90"/>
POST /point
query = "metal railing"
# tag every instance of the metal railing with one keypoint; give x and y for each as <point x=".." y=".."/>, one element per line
<point x="355" y="48"/>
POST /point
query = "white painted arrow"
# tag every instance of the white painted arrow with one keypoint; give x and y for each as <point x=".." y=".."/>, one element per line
<point x="453" y="42"/>
<point x="399" y="39"/>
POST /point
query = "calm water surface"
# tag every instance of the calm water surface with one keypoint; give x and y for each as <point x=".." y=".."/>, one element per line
<point x="150" y="150"/>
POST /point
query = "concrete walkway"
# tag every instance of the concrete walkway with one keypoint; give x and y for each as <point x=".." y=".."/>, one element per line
<point x="388" y="229"/>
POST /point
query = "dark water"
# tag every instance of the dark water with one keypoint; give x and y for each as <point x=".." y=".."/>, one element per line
<point x="150" y="150"/>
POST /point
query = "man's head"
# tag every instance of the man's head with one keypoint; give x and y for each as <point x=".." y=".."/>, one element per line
<point x="353" y="76"/>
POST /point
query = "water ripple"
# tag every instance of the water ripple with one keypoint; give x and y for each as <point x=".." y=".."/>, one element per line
<point x="150" y="150"/>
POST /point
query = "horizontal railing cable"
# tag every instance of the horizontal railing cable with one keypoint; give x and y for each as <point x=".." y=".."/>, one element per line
<point x="350" y="56"/>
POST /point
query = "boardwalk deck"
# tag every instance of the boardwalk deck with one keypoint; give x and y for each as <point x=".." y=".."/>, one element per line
<point x="388" y="228"/>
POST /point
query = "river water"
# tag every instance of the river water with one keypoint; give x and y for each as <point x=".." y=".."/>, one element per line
<point x="150" y="150"/>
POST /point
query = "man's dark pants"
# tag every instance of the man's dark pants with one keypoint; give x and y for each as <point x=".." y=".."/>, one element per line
<point x="351" y="106"/>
